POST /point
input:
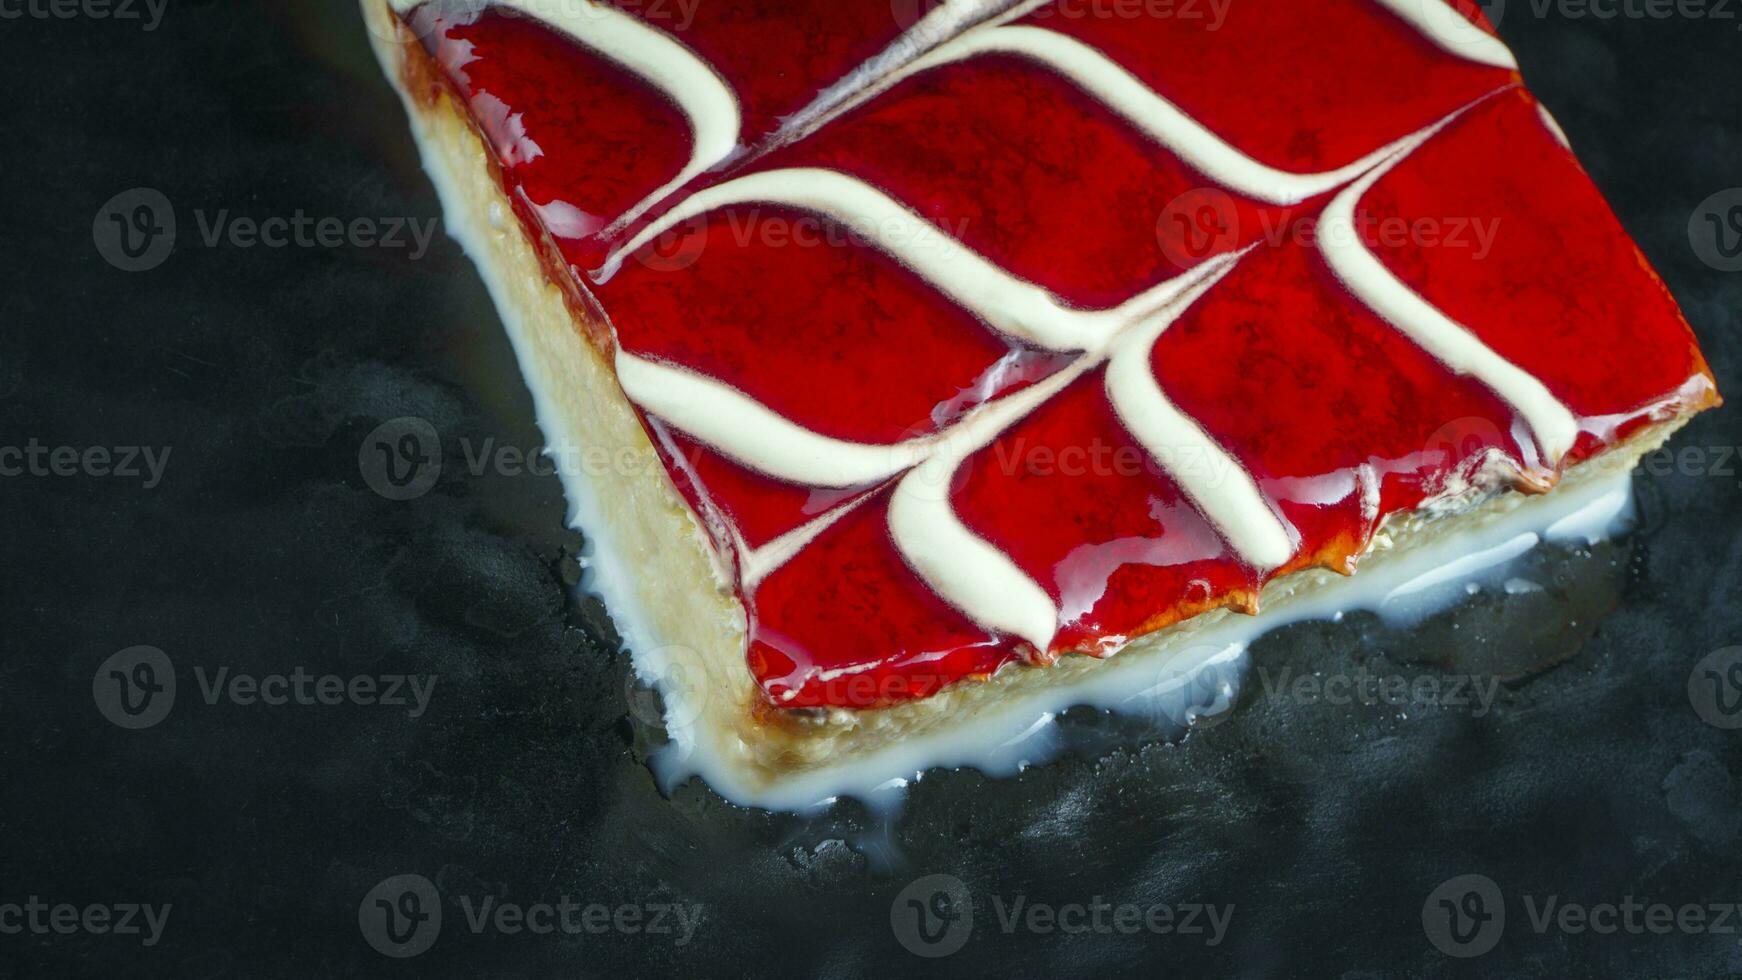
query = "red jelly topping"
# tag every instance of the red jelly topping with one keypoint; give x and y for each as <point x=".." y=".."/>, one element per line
<point x="1336" y="415"/>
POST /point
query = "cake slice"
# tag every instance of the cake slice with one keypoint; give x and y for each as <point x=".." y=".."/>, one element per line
<point x="951" y="366"/>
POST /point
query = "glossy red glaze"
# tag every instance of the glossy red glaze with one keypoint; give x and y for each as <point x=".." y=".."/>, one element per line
<point x="1301" y="86"/>
<point x="1337" y="416"/>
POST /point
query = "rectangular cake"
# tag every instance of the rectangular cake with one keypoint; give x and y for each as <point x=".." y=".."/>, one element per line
<point x="952" y="357"/>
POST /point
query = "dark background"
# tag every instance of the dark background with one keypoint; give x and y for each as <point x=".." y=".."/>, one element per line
<point x="263" y="549"/>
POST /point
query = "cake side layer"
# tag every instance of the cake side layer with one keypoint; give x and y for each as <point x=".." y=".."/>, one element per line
<point x="649" y="559"/>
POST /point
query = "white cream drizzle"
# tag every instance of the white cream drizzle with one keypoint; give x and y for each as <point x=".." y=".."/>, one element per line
<point x="701" y="95"/>
<point x="964" y="569"/>
<point x="761" y="562"/>
<point x="1223" y="491"/>
<point x="743" y="428"/>
<point x="1450" y="342"/>
<point x="1452" y="31"/>
<point x="1010" y="305"/>
<point x="977" y="578"/>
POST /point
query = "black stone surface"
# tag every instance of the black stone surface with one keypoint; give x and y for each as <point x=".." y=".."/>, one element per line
<point x="262" y="549"/>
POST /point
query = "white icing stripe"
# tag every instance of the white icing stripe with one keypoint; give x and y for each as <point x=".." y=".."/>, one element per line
<point x="1010" y="305"/>
<point x="707" y="102"/>
<point x="759" y="563"/>
<point x="1153" y="115"/>
<point x="1452" y="31"/>
<point x="738" y="425"/>
<point x="1447" y="340"/>
<point x="963" y="568"/>
<point x="1215" y="482"/>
